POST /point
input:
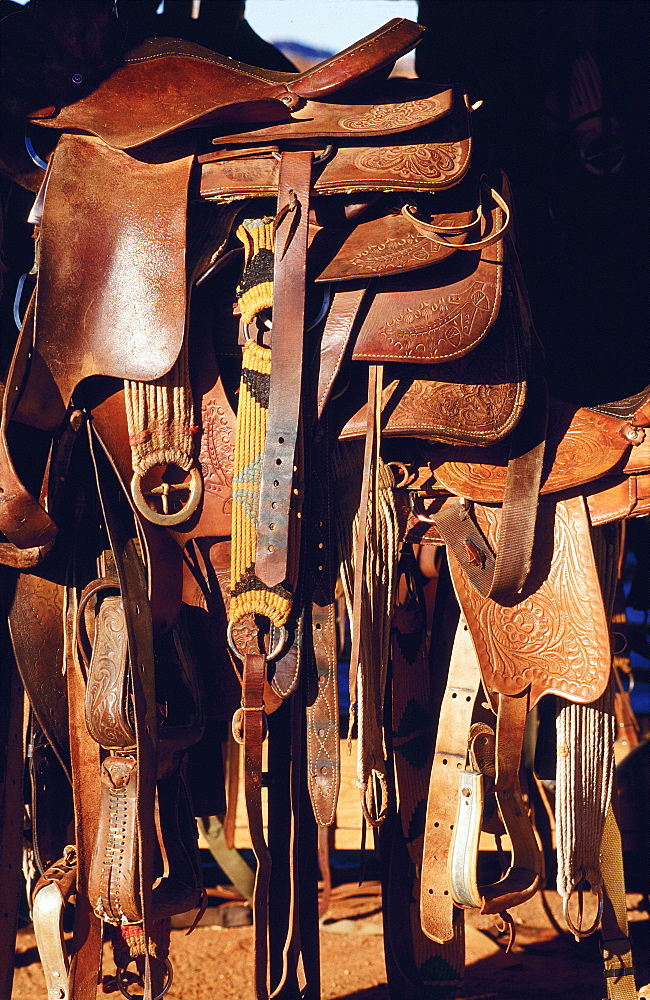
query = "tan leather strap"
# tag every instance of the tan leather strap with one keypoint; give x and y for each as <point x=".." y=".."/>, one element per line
<point x="285" y="392"/>
<point x="463" y="684"/>
<point x="504" y="573"/>
<point x="617" y="954"/>
<point x="439" y="234"/>
<point x="336" y="335"/>
<point x="254" y="727"/>
<point x="522" y="879"/>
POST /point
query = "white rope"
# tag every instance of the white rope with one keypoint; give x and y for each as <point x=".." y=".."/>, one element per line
<point x="585" y="773"/>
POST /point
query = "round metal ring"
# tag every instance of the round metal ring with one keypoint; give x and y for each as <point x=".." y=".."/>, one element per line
<point x="272" y="655"/>
<point x="194" y="487"/>
<point x="578" y="932"/>
<point x="132" y="996"/>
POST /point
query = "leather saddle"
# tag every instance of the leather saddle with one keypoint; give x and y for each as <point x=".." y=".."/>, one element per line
<point x="349" y="205"/>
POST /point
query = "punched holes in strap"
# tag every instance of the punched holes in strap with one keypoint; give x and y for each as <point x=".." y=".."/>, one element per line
<point x="285" y="392"/>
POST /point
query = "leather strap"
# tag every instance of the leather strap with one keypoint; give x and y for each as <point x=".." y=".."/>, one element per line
<point x="616" y="950"/>
<point x="323" y="743"/>
<point x="522" y="879"/>
<point x="22" y="519"/>
<point x="133" y="585"/>
<point x="254" y="731"/>
<point x="463" y="684"/>
<point x="285" y="392"/>
<point x="504" y="574"/>
<point x="84" y="759"/>
<point x="336" y="336"/>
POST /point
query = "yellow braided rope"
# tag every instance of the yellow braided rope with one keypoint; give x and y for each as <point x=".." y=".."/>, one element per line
<point x="248" y="595"/>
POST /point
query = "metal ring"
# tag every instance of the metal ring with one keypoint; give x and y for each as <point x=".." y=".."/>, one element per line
<point x="132" y="996"/>
<point x="237" y="725"/>
<point x="195" y="488"/>
<point x="578" y="932"/>
<point x="272" y="655"/>
<point x="403" y="471"/>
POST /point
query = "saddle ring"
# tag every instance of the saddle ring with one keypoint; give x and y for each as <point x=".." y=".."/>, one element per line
<point x="271" y="655"/>
<point x="578" y="932"/>
<point x="167" y="520"/>
<point x="133" y="996"/>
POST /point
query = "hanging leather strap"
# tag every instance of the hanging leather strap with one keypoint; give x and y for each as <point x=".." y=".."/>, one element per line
<point x="522" y="878"/>
<point x="133" y="586"/>
<point x="616" y="950"/>
<point x="254" y="724"/>
<point x="463" y="684"/>
<point x="323" y="743"/>
<point x="84" y="760"/>
<point x="285" y="392"/>
<point x="504" y="573"/>
<point x="22" y="519"/>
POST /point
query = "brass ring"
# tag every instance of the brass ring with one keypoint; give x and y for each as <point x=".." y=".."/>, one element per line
<point x="272" y="655"/>
<point x="132" y="996"/>
<point x="194" y="487"/>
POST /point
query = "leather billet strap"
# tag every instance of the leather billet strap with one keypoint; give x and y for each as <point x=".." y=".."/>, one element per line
<point x="285" y="391"/>
<point x="137" y="615"/>
<point x="463" y="685"/>
<point x="522" y="878"/>
<point x="85" y="764"/>
<point x="23" y="520"/>
<point x="504" y="573"/>
<point x="254" y="730"/>
<point x="323" y="743"/>
<point x="345" y="306"/>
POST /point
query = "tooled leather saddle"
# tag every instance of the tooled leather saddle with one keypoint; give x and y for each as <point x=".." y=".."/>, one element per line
<point x="268" y="305"/>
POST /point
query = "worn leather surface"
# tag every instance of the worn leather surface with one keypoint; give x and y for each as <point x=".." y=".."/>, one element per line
<point x="122" y="275"/>
<point x="167" y="85"/>
<point x="581" y="446"/>
<point x="435" y="315"/>
<point x="429" y="148"/>
<point x="474" y="399"/>
<point x="524" y="644"/>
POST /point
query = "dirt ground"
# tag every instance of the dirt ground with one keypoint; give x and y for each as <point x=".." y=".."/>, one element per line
<point x="214" y="963"/>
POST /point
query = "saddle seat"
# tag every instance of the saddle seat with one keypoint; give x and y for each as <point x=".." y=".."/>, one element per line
<point x="167" y="85"/>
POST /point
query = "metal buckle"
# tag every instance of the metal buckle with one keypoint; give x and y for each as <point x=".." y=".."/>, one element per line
<point x="164" y="518"/>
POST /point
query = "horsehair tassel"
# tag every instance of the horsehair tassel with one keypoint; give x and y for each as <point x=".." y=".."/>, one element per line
<point x="248" y="594"/>
<point x="160" y="418"/>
